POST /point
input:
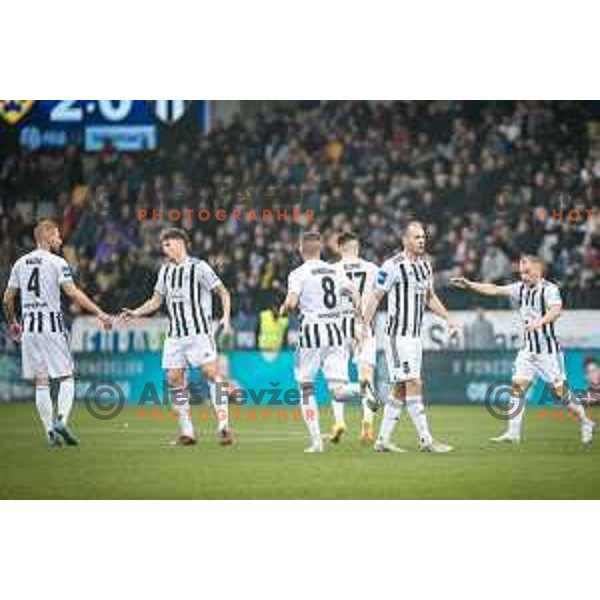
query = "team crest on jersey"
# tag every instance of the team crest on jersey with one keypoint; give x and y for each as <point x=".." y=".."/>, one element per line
<point x="169" y="111"/>
<point x="12" y="111"/>
<point x="381" y="277"/>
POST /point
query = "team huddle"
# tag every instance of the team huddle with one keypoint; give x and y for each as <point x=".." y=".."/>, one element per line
<point x="336" y="303"/>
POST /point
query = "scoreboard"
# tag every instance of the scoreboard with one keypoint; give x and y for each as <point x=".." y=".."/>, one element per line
<point x="127" y="125"/>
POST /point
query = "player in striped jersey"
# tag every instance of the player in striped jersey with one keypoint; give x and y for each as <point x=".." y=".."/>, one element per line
<point x="363" y="274"/>
<point x="407" y="279"/>
<point x="539" y="305"/>
<point x="186" y="284"/>
<point x="317" y="289"/>
<point x="40" y="276"/>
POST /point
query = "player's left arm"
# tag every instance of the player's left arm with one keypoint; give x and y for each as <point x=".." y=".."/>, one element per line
<point x="436" y="306"/>
<point x="225" y="296"/>
<point x="292" y="299"/>
<point x="553" y="312"/>
<point x="86" y="303"/>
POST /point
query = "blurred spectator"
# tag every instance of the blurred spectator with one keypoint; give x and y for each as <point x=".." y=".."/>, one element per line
<point x="479" y="333"/>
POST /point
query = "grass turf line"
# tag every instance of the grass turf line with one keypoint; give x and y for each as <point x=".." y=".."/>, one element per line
<point x="134" y="461"/>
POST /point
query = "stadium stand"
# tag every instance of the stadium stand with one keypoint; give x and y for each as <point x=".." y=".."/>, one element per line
<point x="370" y="166"/>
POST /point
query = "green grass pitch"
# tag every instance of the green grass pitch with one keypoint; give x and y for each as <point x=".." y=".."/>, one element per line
<point x="128" y="458"/>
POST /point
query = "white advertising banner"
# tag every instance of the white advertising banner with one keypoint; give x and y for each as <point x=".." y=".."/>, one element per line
<point x="576" y="329"/>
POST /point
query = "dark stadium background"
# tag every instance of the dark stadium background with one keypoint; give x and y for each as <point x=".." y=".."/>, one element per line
<point x="474" y="172"/>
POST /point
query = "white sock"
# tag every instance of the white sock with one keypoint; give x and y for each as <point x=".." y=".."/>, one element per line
<point x="576" y="406"/>
<point x="180" y="401"/>
<point x="338" y="411"/>
<point x="516" y="421"/>
<point x="310" y="412"/>
<point x="416" y="410"/>
<point x="391" y="414"/>
<point x="368" y="414"/>
<point x="43" y="401"/>
<point x="220" y="403"/>
<point x="66" y="394"/>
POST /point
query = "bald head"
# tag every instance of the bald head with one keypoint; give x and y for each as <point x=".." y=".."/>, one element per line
<point x="413" y="238"/>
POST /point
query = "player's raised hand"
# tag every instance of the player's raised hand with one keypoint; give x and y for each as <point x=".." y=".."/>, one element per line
<point x="460" y="283"/>
<point x="15" y="331"/>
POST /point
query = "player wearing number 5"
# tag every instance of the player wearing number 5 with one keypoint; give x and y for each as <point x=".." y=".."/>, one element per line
<point x="39" y="277"/>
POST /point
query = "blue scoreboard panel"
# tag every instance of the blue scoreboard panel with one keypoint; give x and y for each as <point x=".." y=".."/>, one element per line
<point x="127" y="125"/>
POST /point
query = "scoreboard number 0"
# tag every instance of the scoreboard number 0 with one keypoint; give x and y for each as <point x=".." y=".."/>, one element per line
<point x="67" y="111"/>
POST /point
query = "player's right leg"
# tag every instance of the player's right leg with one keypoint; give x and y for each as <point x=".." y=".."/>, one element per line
<point x="524" y="371"/>
<point x="334" y="361"/>
<point x="368" y="395"/>
<point x="60" y="367"/>
<point x="43" y="403"/>
<point x="392" y="412"/>
<point x="512" y="434"/>
<point x="307" y="364"/>
<point x="179" y="398"/>
<point x="174" y="363"/>
<point x="392" y="409"/>
<point x="35" y="368"/>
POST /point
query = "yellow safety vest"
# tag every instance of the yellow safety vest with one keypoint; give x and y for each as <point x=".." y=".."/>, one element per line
<point x="271" y="331"/>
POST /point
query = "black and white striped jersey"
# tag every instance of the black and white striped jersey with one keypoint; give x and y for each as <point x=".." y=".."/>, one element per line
<point x="187" y="291"/>
<point x="320" y="290"/>
<point x="363" y="274"/>
<point x="533" y="302"/>
<point x="39" y="276"/>
<point x="407" y="284"/>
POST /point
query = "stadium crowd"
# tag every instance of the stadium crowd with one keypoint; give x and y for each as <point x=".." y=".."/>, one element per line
<point x="474" y="172"/>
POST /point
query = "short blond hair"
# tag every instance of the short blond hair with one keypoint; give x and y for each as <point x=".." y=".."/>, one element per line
<point x="43" y="229"/>
<point x="536" y="260"/>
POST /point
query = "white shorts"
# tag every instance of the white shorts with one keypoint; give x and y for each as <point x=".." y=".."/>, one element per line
<point x="404" y="356"/>
<point x="366" y="352"/>
<point x="189" y="351"/>
<point x="332" y="359"/>
<point x="46" y="355"/>
<point x="550" y="367"/>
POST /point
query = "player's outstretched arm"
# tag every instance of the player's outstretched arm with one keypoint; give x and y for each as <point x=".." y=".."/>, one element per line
<point x="225" y="298"/>
<point x="86" y="303"/>
<point x="147" y="308"/>
<point x="484" y="289"/>
<point x="371" y="304"/>
<point x="10" y="310"/>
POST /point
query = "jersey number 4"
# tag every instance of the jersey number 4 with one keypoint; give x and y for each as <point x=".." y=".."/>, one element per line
<point x="33" y="285"/>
